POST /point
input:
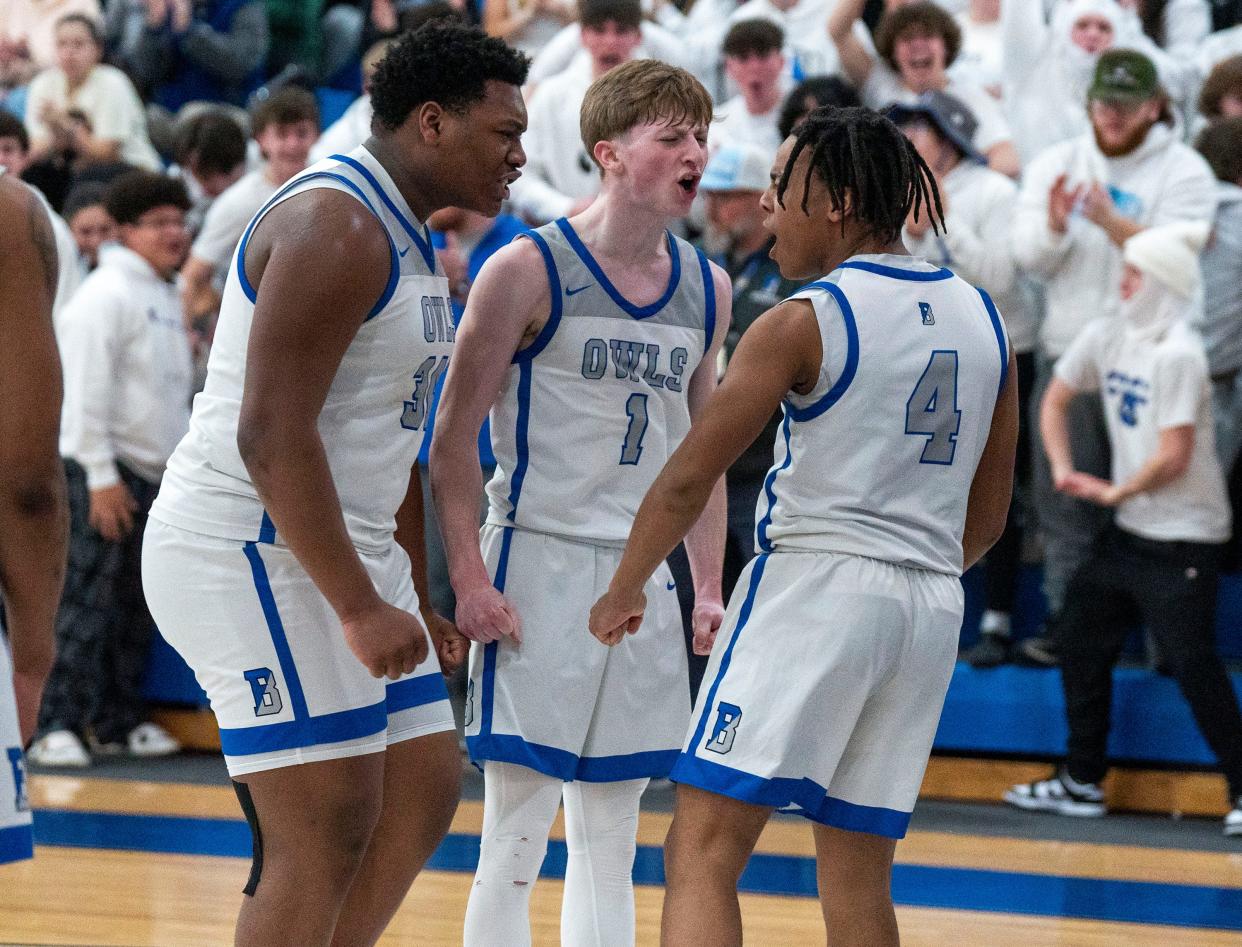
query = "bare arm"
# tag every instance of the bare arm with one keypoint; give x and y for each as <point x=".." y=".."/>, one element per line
<point x="991" y="490"/>
<point x="33" y="509"/>
<point x="500" y="21"/>
<point x="300" y="332"/>
<point x="705" y="541"/>
<point x="856" y="62"/>
<point x="780" y="352"/>
<point x="508" y="303"/>
<point x="1054" y="431"/>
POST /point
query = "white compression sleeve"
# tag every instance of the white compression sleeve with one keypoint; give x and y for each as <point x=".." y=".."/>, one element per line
<point x="601" y="822"/>
<point x="519" y="805"/>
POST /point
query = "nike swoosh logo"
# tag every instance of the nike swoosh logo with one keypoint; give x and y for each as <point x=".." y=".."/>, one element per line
<point x="574" y="292"/>
<point x="402" y="253"/>
<point x="671" y="586"/>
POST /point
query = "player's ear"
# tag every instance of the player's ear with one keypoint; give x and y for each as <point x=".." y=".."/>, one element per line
<point x="606" y="155"/>
<point x="431" y="118"/>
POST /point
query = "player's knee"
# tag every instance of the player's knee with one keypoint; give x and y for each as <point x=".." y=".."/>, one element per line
<point x="511" y="860"/>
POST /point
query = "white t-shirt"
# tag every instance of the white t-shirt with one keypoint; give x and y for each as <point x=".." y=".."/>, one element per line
<point x="884" y="87"/>
<point x="347" y="132"/>
<point x="110" y="102"/>
<point x="734" y="125"/>
<point x="227" y="218"/>
<point x="981" y="59"/>
<point x="1149" y="386"/>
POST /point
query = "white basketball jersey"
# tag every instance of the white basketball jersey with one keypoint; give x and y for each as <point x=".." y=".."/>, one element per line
<point x="375" y="416"/>
<point x="878" y="459"/>
<point x="592" y="409"/>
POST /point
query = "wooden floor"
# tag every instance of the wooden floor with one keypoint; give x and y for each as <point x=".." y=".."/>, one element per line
<point x="115" y="897"/>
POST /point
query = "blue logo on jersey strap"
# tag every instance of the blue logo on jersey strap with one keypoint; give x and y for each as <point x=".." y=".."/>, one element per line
<point x="266" y="697"/>
<point x="402" y="253"/>
<point x="577" y="289"/>
<point x="671" y="585"/>
<point x="20" y="802"/>
<point x="728" y="716"/>
<point x="929" y="317"/>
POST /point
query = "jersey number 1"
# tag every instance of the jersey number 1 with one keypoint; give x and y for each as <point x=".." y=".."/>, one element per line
<point x="932" y="410"/>
<point x="632" y="446"/>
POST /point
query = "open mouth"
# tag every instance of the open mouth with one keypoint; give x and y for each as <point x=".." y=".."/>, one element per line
<point x="689" y="183"/>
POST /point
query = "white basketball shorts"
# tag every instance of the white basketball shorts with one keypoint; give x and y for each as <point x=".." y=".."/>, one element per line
<point x="825" y="688"/>
<point x="16" y="838"/>
<point x="561" y="702"/>
<point x="269" y="651"/>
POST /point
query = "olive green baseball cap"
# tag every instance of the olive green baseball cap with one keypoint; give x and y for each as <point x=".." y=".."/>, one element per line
<point x="1124" y="75"/>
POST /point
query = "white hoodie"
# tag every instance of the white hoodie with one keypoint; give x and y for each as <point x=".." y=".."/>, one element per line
<point x="1161" y="182"/>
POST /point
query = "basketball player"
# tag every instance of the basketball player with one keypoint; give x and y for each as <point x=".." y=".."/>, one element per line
<point x="33" y="508"/>
<point x="595" y="339"/>
<point x="285" y="556"/>
<point x="893" y="474"/>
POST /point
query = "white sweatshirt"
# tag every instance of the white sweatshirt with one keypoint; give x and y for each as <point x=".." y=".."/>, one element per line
<point x="975" y="244"/>
<point x="346" y="133"/>
<point x="1162" y="181"/>
<point x="128" y="370"/>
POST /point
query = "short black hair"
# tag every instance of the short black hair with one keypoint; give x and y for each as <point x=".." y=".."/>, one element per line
<point x="135" y="192"/>
<point x="445" y="62"/>
<point x="924" y="16"/>
<point x="211" y="142"/>
<point x="858" y="150"/>
<point x="81" y="196"/>
<point x="1221" y="146"/>
<point x="11" y="127"/>
<point x="627" y="14"/>
<point x="88" y="23"/>
<point x="819" y="91"/>
<point x="286" y="106"/>
<point x="756" y="37"/>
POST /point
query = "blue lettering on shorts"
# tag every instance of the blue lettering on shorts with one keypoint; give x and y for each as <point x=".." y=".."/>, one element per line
<point x="266" y="697"/>
<point x="728" y="716"/>
<point x="20" y="802"/>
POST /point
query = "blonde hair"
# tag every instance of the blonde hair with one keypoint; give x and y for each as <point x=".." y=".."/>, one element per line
<point x="637" y="92"/>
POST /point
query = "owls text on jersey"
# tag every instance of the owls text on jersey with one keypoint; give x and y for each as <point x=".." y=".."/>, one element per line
<point x="911" y="373"/>
<point x="593" y="408"/>
<point x="374" y="418"/>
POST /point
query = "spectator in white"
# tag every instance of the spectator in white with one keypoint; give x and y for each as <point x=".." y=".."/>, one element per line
<point x="1219" y="46"/>
<point x="86" y="213"/>
<point x="809" y="47"/>
<point x="1048" y="67"/>
<point x="916" y="43"/>
<point x="978" y="208"/>
<point x="701" y="29"/>
<point x="1160" y="560"/>
<point x="981" y="59"/>
<point x="354" y="126"/>
<point x="560" y="179"/>
<point x="567" y="50"/>
<point x="810" y="94"/>
<point x="284" y="126"/>
<point x="127" y="403"/>
<point x="1080" y="202"/>
<point x="1221" y="95"/>
<point x="28" y="27"/>
<point x="210" y="150"/>
<point x="117" y="124"/>
<point x="1221" y="145"/>
<point x="527" y="25"/>
<point x="755" y="64"/>
<point x="1170" y="32"/>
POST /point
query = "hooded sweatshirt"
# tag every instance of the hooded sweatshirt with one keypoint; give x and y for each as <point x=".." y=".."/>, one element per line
<point x="1160" y="182"/>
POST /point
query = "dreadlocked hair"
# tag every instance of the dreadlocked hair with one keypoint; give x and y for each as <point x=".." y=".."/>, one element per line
<point x="859" y="151"/>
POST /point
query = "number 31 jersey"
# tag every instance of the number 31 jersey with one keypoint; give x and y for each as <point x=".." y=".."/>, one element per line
<point x="878" y="458"/>
<point x="374" y="418"/>
<point x="592" y="409"/>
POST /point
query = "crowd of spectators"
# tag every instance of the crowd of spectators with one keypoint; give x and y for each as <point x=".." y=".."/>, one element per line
<point x="1059" y="132"/>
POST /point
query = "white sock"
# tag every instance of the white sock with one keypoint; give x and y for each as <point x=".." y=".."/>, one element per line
<point x="995" y="623"/>
<point x="601" y="822"/>
<point x="519" y="806"/>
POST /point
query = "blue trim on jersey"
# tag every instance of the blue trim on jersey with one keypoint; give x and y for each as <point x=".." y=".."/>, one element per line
<point x="812" y="799"/>
<point x="489" y="650"/>
<point x="394" y="271"/>
<point x="999" y="329"/>
<point x="16" y="843"/>
<point x="638" y="312"/>
<point x="562" y="764"/>
<point x="521" y="437"/>
<point x="894" y="272"/>
<point x="833" y="395"/>
<point x="769" y="483"/>
<point x="709" y="302"/>
<point x="756" y="566"/>
<point x="554" y="285"/>
<point x="335" y="727"/>
<point x="421" y="240"/>
<point x="267" y="530"/>
<point x="288" y="670"/>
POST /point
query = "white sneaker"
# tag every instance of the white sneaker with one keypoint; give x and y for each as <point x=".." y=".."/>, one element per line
<point x="150" y="739"/>
<point x="1062" y="795"/>
<point x="1233" y="821"/>
<point x="59" y="748"/>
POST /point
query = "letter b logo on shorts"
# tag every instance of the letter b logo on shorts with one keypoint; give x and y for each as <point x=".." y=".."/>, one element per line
<point x="266" y="697"/>
<point x="728" y="716"/>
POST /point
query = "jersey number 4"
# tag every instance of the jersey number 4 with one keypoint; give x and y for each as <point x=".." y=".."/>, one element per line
<point x="932" y="410"/>
<point x="418" y="408"/>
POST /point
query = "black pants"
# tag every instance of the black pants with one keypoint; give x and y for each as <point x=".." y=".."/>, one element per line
<point x="1170" y="588"/>
<point x="1005" y="557"/>
<point x="103" y="628"/>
